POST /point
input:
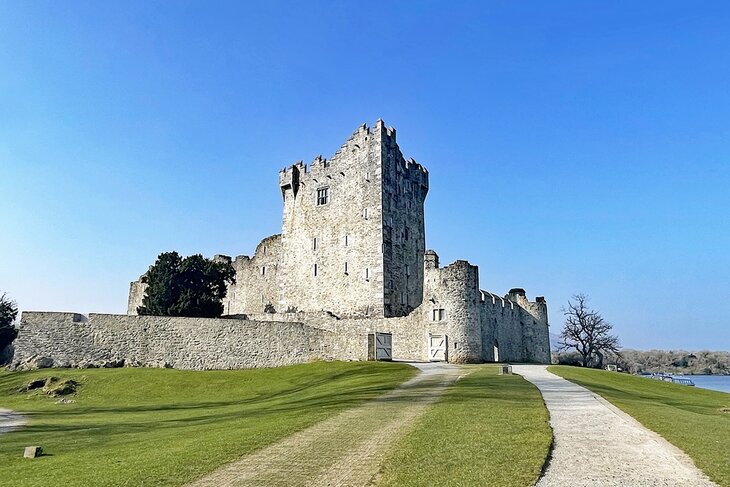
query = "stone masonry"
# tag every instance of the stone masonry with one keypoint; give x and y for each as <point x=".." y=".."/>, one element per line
<point x="351" y="260"/>
<point x="361" y="253"/>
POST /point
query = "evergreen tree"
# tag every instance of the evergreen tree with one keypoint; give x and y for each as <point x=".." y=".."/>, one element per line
<point x="8" y="313"/>
<point x="192" y="286"/>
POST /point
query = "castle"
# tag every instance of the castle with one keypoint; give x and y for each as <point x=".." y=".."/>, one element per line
<point x="349" y="277"/>
<point x="353" y="245"/>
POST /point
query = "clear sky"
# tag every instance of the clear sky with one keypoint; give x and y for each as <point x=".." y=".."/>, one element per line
<point x="572" y="146"/>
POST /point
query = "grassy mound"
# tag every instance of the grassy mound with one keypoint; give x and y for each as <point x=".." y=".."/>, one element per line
<point x="688" y="417"/>
<point x="165" y="427"/>
<point x="487" y="429"/>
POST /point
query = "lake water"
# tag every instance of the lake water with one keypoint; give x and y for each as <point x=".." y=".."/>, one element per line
<point x="715" y="382"/>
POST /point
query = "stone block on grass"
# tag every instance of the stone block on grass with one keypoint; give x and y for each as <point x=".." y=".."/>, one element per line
<point x="32" y="452"/>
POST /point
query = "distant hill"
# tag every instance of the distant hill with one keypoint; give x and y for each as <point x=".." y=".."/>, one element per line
<point x="675" y="362"/>
<point x="665" y="361"/>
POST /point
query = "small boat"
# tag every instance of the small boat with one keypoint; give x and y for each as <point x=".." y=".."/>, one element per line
<point x="674" y="380"/>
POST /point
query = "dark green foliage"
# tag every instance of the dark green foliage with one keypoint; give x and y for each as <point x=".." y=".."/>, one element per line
<point x="8" y="313"/>
<point x="193" y="286"/>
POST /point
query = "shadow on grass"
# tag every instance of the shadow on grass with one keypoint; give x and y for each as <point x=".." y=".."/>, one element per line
<point x="259" y="408"/>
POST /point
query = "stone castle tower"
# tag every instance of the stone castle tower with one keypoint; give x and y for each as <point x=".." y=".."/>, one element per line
<point x="353" y="236"/>
<point x="352" y="240"/>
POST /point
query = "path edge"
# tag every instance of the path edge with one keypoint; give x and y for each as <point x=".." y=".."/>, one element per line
<point x="680" y="455"/>
<point x="551" y="447"/>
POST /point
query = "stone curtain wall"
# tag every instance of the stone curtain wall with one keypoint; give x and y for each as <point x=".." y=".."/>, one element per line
<point x="410" y="335"/>
<point x="270" y="340"/>
<point x="73" y="340"/>
<point x="349" y="336"/>
<point x="257" y="282"/>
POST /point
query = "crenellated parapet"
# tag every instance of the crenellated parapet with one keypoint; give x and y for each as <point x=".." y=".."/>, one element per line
<point x="322" y="170"/>
<point x="364" y="142"/>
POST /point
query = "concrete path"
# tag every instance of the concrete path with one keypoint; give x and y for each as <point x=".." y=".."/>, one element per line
<point x="598" y="445"/>
<point x="345" y="450"/>
<point x="10" y="421"/>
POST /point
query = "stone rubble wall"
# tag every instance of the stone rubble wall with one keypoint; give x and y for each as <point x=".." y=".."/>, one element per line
<point x="72" y="340"/>
<point x="474" y="321"/>
<point x="410" y="334"/>
<point x="257" y="282"/>
<point x="349" y="335"/>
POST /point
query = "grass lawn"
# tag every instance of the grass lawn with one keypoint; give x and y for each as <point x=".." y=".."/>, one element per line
<point x="164" y="427"/>
<point x="688" y="417"/>
<point x="487" y="429"/>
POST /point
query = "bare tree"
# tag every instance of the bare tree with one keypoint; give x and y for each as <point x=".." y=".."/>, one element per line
<point x="587" y="332"/>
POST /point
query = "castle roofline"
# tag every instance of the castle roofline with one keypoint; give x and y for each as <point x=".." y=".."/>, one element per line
<point x="363" y="130"/>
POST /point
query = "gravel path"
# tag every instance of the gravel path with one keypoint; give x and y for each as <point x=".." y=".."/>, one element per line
<point x="10" y="421"/>
<point x="598" y="445"/>
<point x="345" y="450"/>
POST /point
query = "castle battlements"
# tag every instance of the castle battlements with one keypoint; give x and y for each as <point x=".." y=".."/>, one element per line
<point x="363" y="143"/>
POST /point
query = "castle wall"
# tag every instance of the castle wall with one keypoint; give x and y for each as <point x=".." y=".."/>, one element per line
<point x="410" y="333"/>
<point x="473" y="320"/>
<point x="347" y="227"/>
<point x="257" y="280"/>
<point x="501" y="327"/>
<point x="72" y="340"/>
<point x="536" y="335"/>
<point x="405" y="185"/>
<point x="516" y="326"/>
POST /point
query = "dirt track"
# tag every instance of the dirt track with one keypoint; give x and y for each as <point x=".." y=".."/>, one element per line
<point x="10" y="421"/>
<point x="345" y="450"/>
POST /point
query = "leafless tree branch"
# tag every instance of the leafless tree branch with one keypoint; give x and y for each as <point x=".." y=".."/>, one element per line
<point x="586" y="331"/>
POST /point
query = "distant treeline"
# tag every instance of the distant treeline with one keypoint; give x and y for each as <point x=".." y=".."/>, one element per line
<point x="667" y="361"/>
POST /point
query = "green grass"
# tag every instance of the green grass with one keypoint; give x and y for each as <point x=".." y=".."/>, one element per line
<point x="163" y="427"/>
<point x="688" y="417"/>
<point x="487" y="430"/>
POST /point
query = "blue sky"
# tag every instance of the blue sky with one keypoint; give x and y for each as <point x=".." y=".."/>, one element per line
<point x="573" y="146"/>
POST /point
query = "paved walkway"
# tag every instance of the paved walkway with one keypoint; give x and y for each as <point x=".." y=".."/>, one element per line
<point x="345" y="450"/>
<point x="598" y="445"/>
<point x="10" y="421"/>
